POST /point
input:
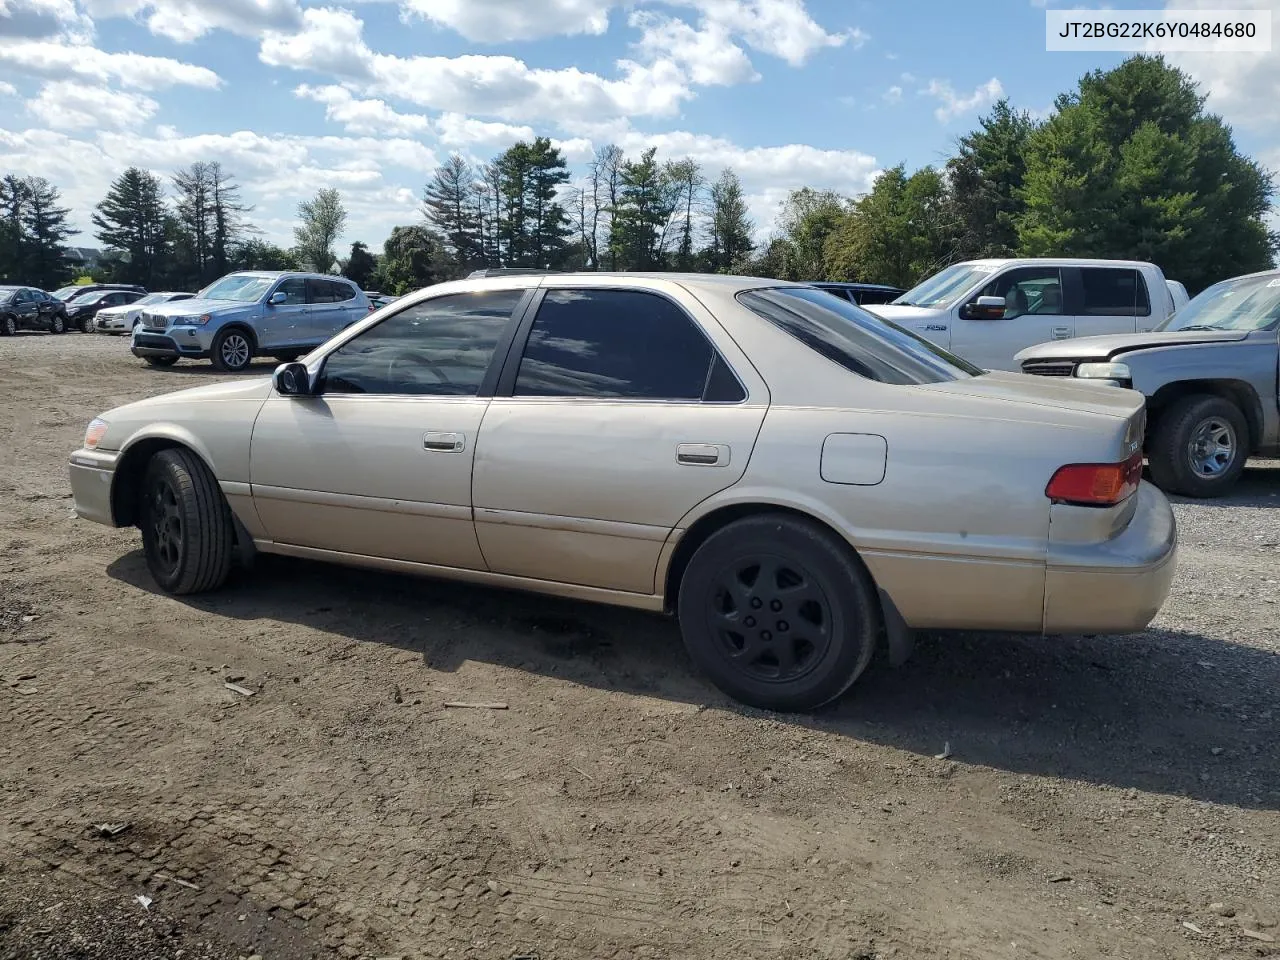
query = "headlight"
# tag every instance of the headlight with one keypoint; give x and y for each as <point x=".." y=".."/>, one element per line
<point x="97" y="430"/>
<point x="1117" y="373"/>
<point x="199" y="321"/>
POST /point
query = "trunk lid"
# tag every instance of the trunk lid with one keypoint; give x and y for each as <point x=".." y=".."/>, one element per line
<point x="1097" y="398"/>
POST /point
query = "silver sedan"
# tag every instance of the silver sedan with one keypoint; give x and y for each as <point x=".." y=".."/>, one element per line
<point x="796" y="480"/>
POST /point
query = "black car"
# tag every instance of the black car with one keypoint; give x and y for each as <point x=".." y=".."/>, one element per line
<point x="27" y="308"/>
<point x="82" y="308"/>
<point x="861" y="293"/>
<point x="75" y="290"/>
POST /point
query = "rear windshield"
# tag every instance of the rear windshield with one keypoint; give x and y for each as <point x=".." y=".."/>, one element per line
<point x="861" y="343"/>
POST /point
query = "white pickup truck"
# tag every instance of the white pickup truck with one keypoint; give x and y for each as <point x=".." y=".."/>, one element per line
<point x="987" y="310"/>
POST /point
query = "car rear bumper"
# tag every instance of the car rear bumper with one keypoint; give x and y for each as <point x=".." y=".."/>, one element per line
<point x="91" y="475"/>
<point x="1118" y="585"/>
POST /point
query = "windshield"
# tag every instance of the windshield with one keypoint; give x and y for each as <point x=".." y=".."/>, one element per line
<point x="151" y="298"/>
<point x="66" y="293"/>
<point x="243" y="288"/>
<point x="846" y="334"/>
<point x="943" y="289"/>
<point x="1249" y="303"/>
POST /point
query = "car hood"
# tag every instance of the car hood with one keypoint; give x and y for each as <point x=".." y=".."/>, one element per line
<point x="1021" y="388"/>
<point x="257" y="388"/>
<point x="1106" y="347"/>
<point x="899" y="312"/>
<point x="187" y="308"/>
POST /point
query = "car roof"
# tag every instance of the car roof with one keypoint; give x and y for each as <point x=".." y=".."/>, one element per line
<point x="276" y="274"/>
<point x="1064" y="261"/>
<point x="854" y="285"/>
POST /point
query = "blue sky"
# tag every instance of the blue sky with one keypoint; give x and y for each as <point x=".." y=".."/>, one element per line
<point x="368" y="95"/>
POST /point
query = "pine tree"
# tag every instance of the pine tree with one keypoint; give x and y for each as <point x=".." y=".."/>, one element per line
<point x="13" y="205"/>
<point x="45" y="230"/>
<point x="131" y="219"/>
<point x="449" y="202"/>
<point x="730" y="225"/>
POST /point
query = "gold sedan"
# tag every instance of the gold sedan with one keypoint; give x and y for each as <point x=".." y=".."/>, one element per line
<point x="795" y="479"/>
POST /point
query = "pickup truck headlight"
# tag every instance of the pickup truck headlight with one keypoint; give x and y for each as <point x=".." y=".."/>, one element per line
<point x="1114" y="373"/>
<point x="94" y="434"/>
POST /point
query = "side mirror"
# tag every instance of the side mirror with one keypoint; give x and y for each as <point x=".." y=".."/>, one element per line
<point x="278" y="298"/>
<point x="292" y="380"/>
<point x="985" y="308"/>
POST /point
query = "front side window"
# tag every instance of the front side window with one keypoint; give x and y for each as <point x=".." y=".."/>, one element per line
<point x="441" y="348"/>
<point x="1113" y="292"/>
<point x="1246" y="303"/>
<point x="1027" y="291"/>
<point x="849" y="336"/>
<point x="614" y="344"/>
<point x="294" y="290"/>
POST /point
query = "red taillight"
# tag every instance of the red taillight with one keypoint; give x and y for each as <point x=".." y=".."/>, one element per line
<point x="1096" y="484"/>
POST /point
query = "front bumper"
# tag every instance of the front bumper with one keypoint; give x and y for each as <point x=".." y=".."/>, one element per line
<point x="1118" y="585"/>
<point x="174" y="342"/>
<point x="91" y="474"/>
<point x="111" y="324"/>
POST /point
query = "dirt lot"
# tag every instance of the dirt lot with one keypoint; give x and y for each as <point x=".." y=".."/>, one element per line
<point x="1100" y="796"/>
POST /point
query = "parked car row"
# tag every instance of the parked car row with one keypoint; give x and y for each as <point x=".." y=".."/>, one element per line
<point x="74" y="307"/>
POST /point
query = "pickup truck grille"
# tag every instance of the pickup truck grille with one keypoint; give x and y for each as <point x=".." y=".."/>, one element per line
<point x="1050" y="368"/>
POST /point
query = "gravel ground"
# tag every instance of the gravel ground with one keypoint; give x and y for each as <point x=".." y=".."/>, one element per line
<point x="1103" y="797"/>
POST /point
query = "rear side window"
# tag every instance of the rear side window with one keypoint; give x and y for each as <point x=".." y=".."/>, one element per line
<point x="320" y="291"/>
<point x="341" y="292"/>
<point x="849" y="336"/>
<point x="1114" y="292"/>
<point x="627" y="344"/>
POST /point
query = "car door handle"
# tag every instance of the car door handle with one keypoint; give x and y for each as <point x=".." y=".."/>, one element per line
<point x="1062" y="333"/>
<point x="443" y="442"/>
<point x="703" y="454"/>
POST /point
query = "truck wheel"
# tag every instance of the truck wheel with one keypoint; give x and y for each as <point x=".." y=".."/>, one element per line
<point x="778" y="613"/>
<point x="1199" y="447"/>
<point x="232" y="350"/>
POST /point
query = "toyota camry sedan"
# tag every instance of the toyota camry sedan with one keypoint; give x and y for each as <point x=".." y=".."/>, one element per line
<point x="798" y="482"/>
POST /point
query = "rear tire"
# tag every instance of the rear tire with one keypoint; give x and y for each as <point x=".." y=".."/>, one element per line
<point x="162" y="361"/>
<point x="1199" y="447"/>
<point x="778" y="613"/>
<point x="232" y="350"/>
<point x="188" y="535"/>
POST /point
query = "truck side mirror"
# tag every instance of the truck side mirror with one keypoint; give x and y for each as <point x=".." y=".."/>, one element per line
<point x="984" y="308"/>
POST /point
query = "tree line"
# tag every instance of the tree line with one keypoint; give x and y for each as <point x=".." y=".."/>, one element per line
<point x="1129" y="165"/>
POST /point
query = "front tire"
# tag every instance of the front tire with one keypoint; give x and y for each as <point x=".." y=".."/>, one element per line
<point x="187" y="532"/>
<point x="58" y="324"/>
<point x="1199" y="447"/>
<point x="86" y="324"/>
<point x="778" y="613"/>
<point x="232" y="350"/>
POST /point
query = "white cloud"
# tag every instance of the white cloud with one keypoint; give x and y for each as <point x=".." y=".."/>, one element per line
<point x="708" y="54"/>
<point x="330" y="41"/>
<point x="60" y="60"/>
<point x="1243" y="87"/>
<point x="953" y="104"/>
<point x="8" y="89"/>
<point x="782" y="28"/>
<point x="496" y="21"/>
<point x="41" y="19"/>
<point x="188" y="20"/>
<point x="68" y="105"/>
<point x="363" y="116"/>
<point x="893" y="95"/>
<point x="457" y="130"/>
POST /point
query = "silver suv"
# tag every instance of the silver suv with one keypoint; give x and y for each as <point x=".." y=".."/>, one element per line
<point x="249" y="314"/>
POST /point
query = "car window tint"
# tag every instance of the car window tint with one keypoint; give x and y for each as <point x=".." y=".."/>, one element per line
<point x="856" y="340"/>
<point x="1114" y="292"/>
<point x="318" y="291"/>
<point x="341" y="292"/>
<point x="1027" y="291"/>
<point x="441" y="347"/>
<point x="722" y="385"/>
<point x="613" y="343"/>
<point x="294" y="289"/>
